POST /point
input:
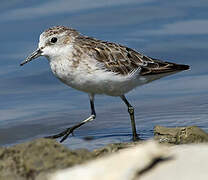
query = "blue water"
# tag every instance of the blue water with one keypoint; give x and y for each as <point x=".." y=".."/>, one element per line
<point x="33" y="103"/>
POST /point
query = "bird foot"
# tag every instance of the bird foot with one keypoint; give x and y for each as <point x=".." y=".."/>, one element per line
<point x="64" y="134"/>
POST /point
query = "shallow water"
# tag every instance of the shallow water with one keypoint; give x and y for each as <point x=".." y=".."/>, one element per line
<point x="35" y="104"/>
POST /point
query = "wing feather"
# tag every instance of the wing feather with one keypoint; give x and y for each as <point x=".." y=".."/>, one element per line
<point x="123" y="60"/>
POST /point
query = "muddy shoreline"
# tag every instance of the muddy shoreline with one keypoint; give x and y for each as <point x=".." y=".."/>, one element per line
<point x="42" y="156"/>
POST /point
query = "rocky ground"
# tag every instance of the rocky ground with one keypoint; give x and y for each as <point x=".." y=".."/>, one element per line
<point x="40" y="158"/>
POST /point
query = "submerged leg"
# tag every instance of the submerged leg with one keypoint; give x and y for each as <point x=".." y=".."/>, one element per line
<point x="131" y="113"/>
<point x="70" y="130"/>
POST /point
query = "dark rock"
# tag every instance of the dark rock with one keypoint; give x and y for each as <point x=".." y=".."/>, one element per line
<point x="27" y="160"/>
<point x="180" y="135"/>
<point x="112" y="148"/>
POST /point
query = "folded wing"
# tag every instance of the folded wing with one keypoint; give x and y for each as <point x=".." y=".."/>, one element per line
<point x="123" y="60"/>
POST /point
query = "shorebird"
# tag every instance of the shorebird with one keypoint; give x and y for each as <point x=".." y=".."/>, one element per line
<point x="98" y="67"/>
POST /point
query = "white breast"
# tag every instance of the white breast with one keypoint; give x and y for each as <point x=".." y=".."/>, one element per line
<point x="91" y="79"/>
<point x="86" y="74"/>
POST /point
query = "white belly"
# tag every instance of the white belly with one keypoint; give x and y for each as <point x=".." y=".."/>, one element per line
<point x="94" y="80"/>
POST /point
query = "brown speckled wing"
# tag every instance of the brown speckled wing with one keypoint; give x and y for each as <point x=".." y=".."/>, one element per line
<point x="121" y="59"/>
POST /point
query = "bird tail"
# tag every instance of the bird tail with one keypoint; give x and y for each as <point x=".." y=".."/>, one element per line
<point x="162" y="67"/>
<point x="180" y="67"/>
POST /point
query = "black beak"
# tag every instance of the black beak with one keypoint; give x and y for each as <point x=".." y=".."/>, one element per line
<point x="34" y="55"/>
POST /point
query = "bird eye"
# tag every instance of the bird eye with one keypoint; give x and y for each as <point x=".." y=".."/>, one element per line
<point x="53" y="39"/>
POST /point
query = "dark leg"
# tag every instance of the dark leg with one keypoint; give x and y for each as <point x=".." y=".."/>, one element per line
<point x="70" y="130"/>
<point x="131" y="113"/>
